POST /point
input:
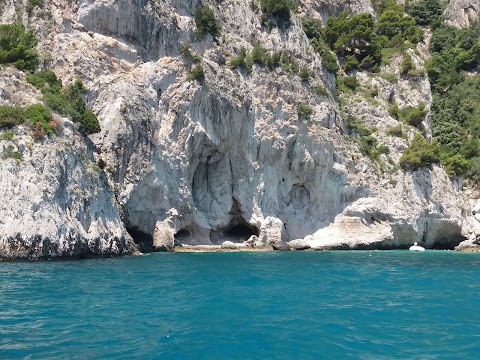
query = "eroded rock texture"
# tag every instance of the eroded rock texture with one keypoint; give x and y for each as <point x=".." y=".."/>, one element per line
<point x="201" y="162"/>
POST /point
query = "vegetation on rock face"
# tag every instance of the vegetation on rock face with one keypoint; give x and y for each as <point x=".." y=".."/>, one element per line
<point x="17" y="47"/>
<point x="360" y="40"/>
<point x="196" y="73"/>
<point x="279" y="9"/>
<point x="11" y="115"/>
<point x="425" y="12"/>
<point x="205" y="22"/>
<point x="304" y="111"/>
<point x="368" y="144"/>
<point x="32" y="4"/>
<point x="67" y="101"/>
<point x="420" y="153"/>
<point x="453" y="73"/>
<point x="347" y="83"/>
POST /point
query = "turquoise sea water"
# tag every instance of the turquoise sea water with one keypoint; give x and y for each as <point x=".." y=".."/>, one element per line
<point x="294" y="305"/>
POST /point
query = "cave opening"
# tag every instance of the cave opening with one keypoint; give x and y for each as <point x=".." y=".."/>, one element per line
<point x="142" y="239"/>
<point x="237" y="231"/>
<point x="182" y="237"/>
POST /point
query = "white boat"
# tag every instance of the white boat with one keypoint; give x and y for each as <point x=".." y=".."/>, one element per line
<point x="416" y="247"/>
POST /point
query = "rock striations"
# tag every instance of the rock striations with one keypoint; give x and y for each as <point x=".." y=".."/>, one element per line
<point x="226" y="158"/>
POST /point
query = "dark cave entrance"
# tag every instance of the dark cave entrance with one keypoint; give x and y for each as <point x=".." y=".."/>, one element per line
<point x="182" y="236"/>
<point x="142" y="239"/>
<point x="237" y="231"/>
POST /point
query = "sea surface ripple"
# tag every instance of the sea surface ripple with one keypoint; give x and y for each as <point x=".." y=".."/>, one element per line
<point x="272" y="305"/>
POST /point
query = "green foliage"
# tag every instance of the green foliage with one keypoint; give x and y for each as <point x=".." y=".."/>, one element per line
<point x="397" y="131"/>
<point x="7" y="135"/>
<point x="238" y="61"/>
<point x="319" y="89"/>
<point x="40" y="116"/>
<point x="89" y="122"/>
<point x="259" y="54"/>
<point x="414" y="115"/>
<point x="453" y="50"/>
<point x="409" y="114"/>
<point x="280" y="9"/>
<point x="408" y="66"/>
<point x="394" y="28"/>
<point x="456" y="124"/>
<point x="185" y="50"/>
<point x="367" y="143"/>
<point x="314" y="31"/>
<point x="426" y="12"/>
<point x="420" y="153"/>
<point x="11" y="115"/>
<point x="304" y="111"/>
<point x="391" y="77"/>
<point x="304" y="74"/>
<point x="347" y="83"/>
<point x="205" y="22"/>
<point x="31" y="4"/>
<point x="17" y="47"/>
<point x="354" y="36"/>
<point x="359" y="39"/>
<point x="196" y="73"/>
<point x="393" y="111"/>
<point x="46" y="81"/>
<point x="455" y="106"/>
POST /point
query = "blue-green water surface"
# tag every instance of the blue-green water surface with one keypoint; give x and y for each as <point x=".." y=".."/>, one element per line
<point x="294" y="305"/>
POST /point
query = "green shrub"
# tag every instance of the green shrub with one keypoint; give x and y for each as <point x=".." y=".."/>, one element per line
<point x="11" y="115"/>
<point x="397" y="131"/>
<point x="425" y="12"/>
<point x="89" y="123"/>
<point x="390" y="77"/>
<point x="185" y="50"/>
<point x="205" y="22"/>
<point x="454" y="164"/>
<point x="279" y="9"/>
<point x="7" y="135"/>
<point x="353" y="36"/>
<point x="347" y="83"/>
<point x="420" y="153"/>
<point x="258" y="54"/>
<point x="414" y="115"/>
<point x="31" y="4"/>
<point x="239" y="60"/>
<point x="407" y="65"/>
<point x="196" y="73"/>
<point x="319" y="89"/>
<point x="304" y="74"/>
<point x="304" y="111"/>
<point x="242" y="60"/>
<point x="46" y="81"/>
<point x="17" y="47"/>
<point x="367" y="143"/>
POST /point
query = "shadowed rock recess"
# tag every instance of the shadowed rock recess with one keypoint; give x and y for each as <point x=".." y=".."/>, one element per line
<point x="230" y="157"/>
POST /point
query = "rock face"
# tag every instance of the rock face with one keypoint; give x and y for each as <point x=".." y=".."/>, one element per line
<point x="57" y="202"/>
<point x="224" y="159"/>
<point x="462" y="13"/>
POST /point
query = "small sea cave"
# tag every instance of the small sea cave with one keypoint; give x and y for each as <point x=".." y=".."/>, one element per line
<point x="237" y="231"/>
<point x="142" y="239"/>
<point x="183" y="236"/>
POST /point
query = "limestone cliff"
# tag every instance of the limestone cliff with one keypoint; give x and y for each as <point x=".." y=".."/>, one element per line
<point x="226" y="158"/>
